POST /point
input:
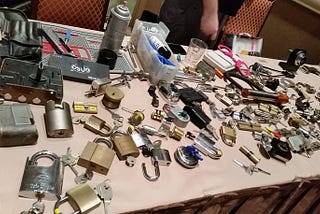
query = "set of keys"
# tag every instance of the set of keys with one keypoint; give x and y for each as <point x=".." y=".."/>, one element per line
<point x="250" y="169"/>
<point x="104" y="192"/>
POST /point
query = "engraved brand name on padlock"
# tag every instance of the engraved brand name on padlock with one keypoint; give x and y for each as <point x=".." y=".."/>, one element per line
<point x="46" y="179"/>
<point x="96" y="157"/>
<point x="125" y="146"/>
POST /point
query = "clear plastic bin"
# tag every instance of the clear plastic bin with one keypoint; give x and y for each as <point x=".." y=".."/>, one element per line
<point x="148" y="56"/>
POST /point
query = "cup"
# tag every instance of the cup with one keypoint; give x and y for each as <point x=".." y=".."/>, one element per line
<point x="107" y="57"/>
<point x="196" y="50"/>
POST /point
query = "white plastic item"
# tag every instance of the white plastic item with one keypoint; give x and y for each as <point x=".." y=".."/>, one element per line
<point x="148" y="56"/>
<point x="219" y="60"/>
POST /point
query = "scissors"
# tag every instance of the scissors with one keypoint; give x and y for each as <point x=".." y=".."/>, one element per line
<point x="241" y="66"/>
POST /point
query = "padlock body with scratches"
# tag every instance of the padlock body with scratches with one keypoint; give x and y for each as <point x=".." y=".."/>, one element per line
<point x="125" y="146"/>
<point x="96" y="157"/>
<point x="83" y="198"/>
<point x="46" y="179"/>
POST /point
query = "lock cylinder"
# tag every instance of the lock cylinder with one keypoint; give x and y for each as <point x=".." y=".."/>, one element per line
<point x="112" y="97"/>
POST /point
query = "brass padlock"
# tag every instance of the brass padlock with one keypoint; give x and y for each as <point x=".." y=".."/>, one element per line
<point x="124" y="145"/>
<point x="97" y="157"/>
<point x="82" y="199"/>
<point x="228" y="135"/>
<point x="98" y="126"/>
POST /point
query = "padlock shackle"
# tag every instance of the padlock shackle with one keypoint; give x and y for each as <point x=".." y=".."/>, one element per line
<point x="104" y="140"/>
<point x="43" y="154"/>
<point x="117" y="133"/>
<point x="156" y="172"/>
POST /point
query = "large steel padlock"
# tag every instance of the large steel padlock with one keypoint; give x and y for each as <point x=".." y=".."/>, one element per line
<point x="42" y="179"/>
<point x="58" y="120"/>
<point x="96" y="156"/>
<point x="124" y="145"/>
<point x="82" y="199"/>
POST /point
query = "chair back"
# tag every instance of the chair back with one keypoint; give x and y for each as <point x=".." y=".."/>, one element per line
<point x="90" y="14"/>
<point x="250" y="18"/>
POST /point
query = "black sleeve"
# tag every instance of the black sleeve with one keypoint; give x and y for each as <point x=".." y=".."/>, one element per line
<point x="230" y="7"/>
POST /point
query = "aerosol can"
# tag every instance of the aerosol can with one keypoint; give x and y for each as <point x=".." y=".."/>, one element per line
<point x="116" y="28"/>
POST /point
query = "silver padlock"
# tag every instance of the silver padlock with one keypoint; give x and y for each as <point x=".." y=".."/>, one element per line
<point x="58" y="120"/>
<point x="42" y="179"/>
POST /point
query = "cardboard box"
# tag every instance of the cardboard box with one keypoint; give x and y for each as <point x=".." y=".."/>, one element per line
<point x="241" y="44"/>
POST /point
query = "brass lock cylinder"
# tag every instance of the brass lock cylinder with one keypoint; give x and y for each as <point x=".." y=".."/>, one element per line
<point x="112" y="97"/>
<point x="136" y="118"/>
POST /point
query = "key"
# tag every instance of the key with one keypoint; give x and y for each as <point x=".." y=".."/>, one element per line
<point x="79" y="119"/>
<point x="115" y="116"/>
<point x="71" y="160"/>
<point x="251" y="168"/>
<point x="38" y="207"/>
<point x="104" y="191"/>
<point x="117" y="124"/>
<point x="256" y="169"/>
<point x="246" y="168"/>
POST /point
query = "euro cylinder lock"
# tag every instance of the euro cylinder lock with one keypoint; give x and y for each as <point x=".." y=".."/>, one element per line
<point x="17" y="126"/>
<point x="82" y="199"/>
<point x="125" y="147"/>
<point x="96" y="156"/>
<point x="42" y="179"/>
<point x="58" y="120"/>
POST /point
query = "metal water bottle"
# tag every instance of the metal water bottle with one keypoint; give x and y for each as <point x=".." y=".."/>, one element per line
<point x="116" y="29"/>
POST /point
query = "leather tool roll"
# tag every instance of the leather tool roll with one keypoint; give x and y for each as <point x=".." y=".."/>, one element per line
<point x="20" y="39"/>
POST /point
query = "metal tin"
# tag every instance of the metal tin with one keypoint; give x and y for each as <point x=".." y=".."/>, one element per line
<point x="116" y="28"/>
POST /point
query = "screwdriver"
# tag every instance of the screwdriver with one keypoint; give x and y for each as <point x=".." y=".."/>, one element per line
<point x="200" y="119"/>
<point x="277" y="98"/>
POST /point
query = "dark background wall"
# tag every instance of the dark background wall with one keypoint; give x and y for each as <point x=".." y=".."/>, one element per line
<point x="288" y="26"/>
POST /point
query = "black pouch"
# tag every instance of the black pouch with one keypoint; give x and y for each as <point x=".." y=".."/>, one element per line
<point x="20" y="38"/>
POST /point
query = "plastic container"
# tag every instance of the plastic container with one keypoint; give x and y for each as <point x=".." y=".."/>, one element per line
<point x="148" y="57"/>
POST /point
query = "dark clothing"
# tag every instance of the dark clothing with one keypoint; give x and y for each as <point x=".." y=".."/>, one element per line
<point x="183" y="17"/>
<point x="9" y="3"/>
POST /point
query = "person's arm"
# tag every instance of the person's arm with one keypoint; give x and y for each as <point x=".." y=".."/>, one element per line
<point x="209" y="20"/>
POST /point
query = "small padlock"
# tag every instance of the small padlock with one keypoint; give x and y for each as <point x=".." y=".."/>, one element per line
<point x="82" y="199"/>
<point x="96" y="156"/>
<point x="98" y="126"/>
<point x="124" y="145"/>
<point x="42" y="179"/>
<point x="58" y="120"/>
<point x="228" y="135"/>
